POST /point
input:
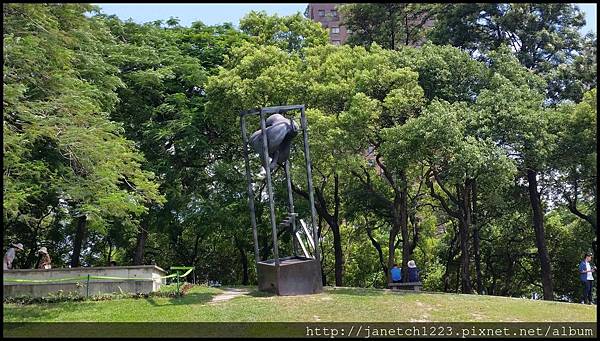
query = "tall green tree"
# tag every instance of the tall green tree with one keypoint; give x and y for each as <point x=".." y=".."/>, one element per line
<point x="456" y="160"/>
<point x="391" y="25"/>
<point x="366" y="93"/>
<point x="289" y="33"/>
<point x="543" y="37"/>
<point x="575" y="158"/>
<point x="61" y="148"/>
<point x="163" y="110"/>
<point x="513" y="115"/>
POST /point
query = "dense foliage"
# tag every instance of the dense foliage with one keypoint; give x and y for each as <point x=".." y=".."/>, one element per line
<point x="122" y="143"/>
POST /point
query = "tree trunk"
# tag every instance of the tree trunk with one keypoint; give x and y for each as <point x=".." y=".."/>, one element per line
<point x="540" y="237"/>
<point x="323" y="275"/>
<point x="591" y="218"/>
<point x="406" y="244"/>
<point x="396" y="228"/>
<point x="339" y="257"/>
<point x="109" y="255"/>
<point x="463" y="230"/>
<point x="244" y="261"/>
<point x="32" y="255"/>
<point x="138" y="258"/>
<point x="377" y="246"/>
<point x="78" y="241"/>
<point x="337" y="237"/>
<point x="449" y="258"/>
<point x="476" y="241"/>
<point x="465" y="280"/>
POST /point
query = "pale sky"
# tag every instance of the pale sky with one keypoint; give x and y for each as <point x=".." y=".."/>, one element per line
<point x="212" y="14"/>
<point x="209" y="14"/>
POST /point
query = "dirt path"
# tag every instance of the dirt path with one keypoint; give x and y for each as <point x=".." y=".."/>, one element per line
<point x="228" y="294"/>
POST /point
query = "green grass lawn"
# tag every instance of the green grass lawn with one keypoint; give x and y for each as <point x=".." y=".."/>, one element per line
<point x="341" y="304"/>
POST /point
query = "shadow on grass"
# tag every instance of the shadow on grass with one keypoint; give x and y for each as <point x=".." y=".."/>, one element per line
<point x="26" y="313"/>
<point x="40" y="311"/>
<point x="258" y="293"/>
<point x="354" y="291"/>
<point x="192" y="298"/>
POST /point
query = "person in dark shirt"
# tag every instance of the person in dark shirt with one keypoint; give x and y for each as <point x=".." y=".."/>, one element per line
<point x="586" y="275"/>
<point x="396" y="274"/>
<point x="45" y="262"/>
<point x="413" y="272"/>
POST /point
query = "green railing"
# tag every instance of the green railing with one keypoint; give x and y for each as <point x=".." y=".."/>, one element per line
<point x="180" y="268"/>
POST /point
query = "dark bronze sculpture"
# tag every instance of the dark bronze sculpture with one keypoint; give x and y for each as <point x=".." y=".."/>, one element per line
<point x="280" y="132"/>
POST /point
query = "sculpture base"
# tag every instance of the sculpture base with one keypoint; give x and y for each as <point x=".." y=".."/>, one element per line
<point x="297" y="276"/>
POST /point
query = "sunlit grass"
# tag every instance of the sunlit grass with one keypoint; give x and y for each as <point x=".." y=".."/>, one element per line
<point x="341" y="304"/>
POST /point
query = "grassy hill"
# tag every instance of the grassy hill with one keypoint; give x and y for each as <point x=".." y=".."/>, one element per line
<point x="246" y="304"/>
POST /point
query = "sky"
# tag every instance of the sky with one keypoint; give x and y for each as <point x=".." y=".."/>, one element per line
<point x="211" y="14"/>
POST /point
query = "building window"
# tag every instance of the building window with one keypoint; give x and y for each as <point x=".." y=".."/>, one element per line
<point x="335" y="30"/>
<point x="335" y="42"/>
<point x="321" y="13"/>
<point x="348" y="30"/>
<point x="334" y="13"/>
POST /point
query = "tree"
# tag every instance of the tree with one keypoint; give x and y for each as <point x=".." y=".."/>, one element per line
<point x="366" y="93"/>
<point x="514" y="117"/>
<point x="575" y="158"/>
<point x="163" y="110"/>
<point x="543" y="37"/>
<point x="62" y="152"/>
<point x="570" y="81"/>
<point x="289" y="33"/>
<point x="391" y="25"/>
<point x="456" y="160"/>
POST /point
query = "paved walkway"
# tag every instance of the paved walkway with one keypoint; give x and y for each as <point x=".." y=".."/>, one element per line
<point x="228" y="294"/>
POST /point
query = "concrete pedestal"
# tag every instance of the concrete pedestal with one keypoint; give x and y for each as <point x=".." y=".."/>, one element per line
<point x="297" y="276"/>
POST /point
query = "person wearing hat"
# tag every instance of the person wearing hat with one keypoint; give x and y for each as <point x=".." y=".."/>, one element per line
<point x="44" y="262"/>
<point x="586" y="276"/>
<point x="9" y="256"/>
<point x="413" y="272"/>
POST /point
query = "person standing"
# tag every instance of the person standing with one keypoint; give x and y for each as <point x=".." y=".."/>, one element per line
<point x="9" y="256"/>
<point x="586" y="276"/>
<point x="44" y="262"/>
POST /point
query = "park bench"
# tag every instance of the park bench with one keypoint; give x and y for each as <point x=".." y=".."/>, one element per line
<point x="415" y="286"/>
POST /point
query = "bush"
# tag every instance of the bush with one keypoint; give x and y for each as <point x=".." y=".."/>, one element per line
<point x="74" y="296"/>
<point x="57" y="297"/>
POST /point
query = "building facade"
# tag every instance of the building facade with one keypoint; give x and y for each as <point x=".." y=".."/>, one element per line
<point x="328" y="15"/>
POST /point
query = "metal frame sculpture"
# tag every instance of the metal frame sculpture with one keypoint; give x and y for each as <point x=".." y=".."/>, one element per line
<point x="289" y="275"/>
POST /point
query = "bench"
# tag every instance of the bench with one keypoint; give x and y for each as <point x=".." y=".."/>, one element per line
<point x="415" y="286"/>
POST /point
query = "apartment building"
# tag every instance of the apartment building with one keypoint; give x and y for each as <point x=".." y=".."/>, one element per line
<point x="327" y="14"/>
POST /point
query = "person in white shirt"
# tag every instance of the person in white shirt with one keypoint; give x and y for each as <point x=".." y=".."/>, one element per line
<point x="9" y="256"/>
<point x="586" y="276"/>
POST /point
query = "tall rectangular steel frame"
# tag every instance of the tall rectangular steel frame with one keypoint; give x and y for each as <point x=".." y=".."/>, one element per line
<point x="289" y="275"/>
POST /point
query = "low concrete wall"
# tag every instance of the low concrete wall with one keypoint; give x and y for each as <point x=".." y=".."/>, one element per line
<point x="147" y="280"/>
